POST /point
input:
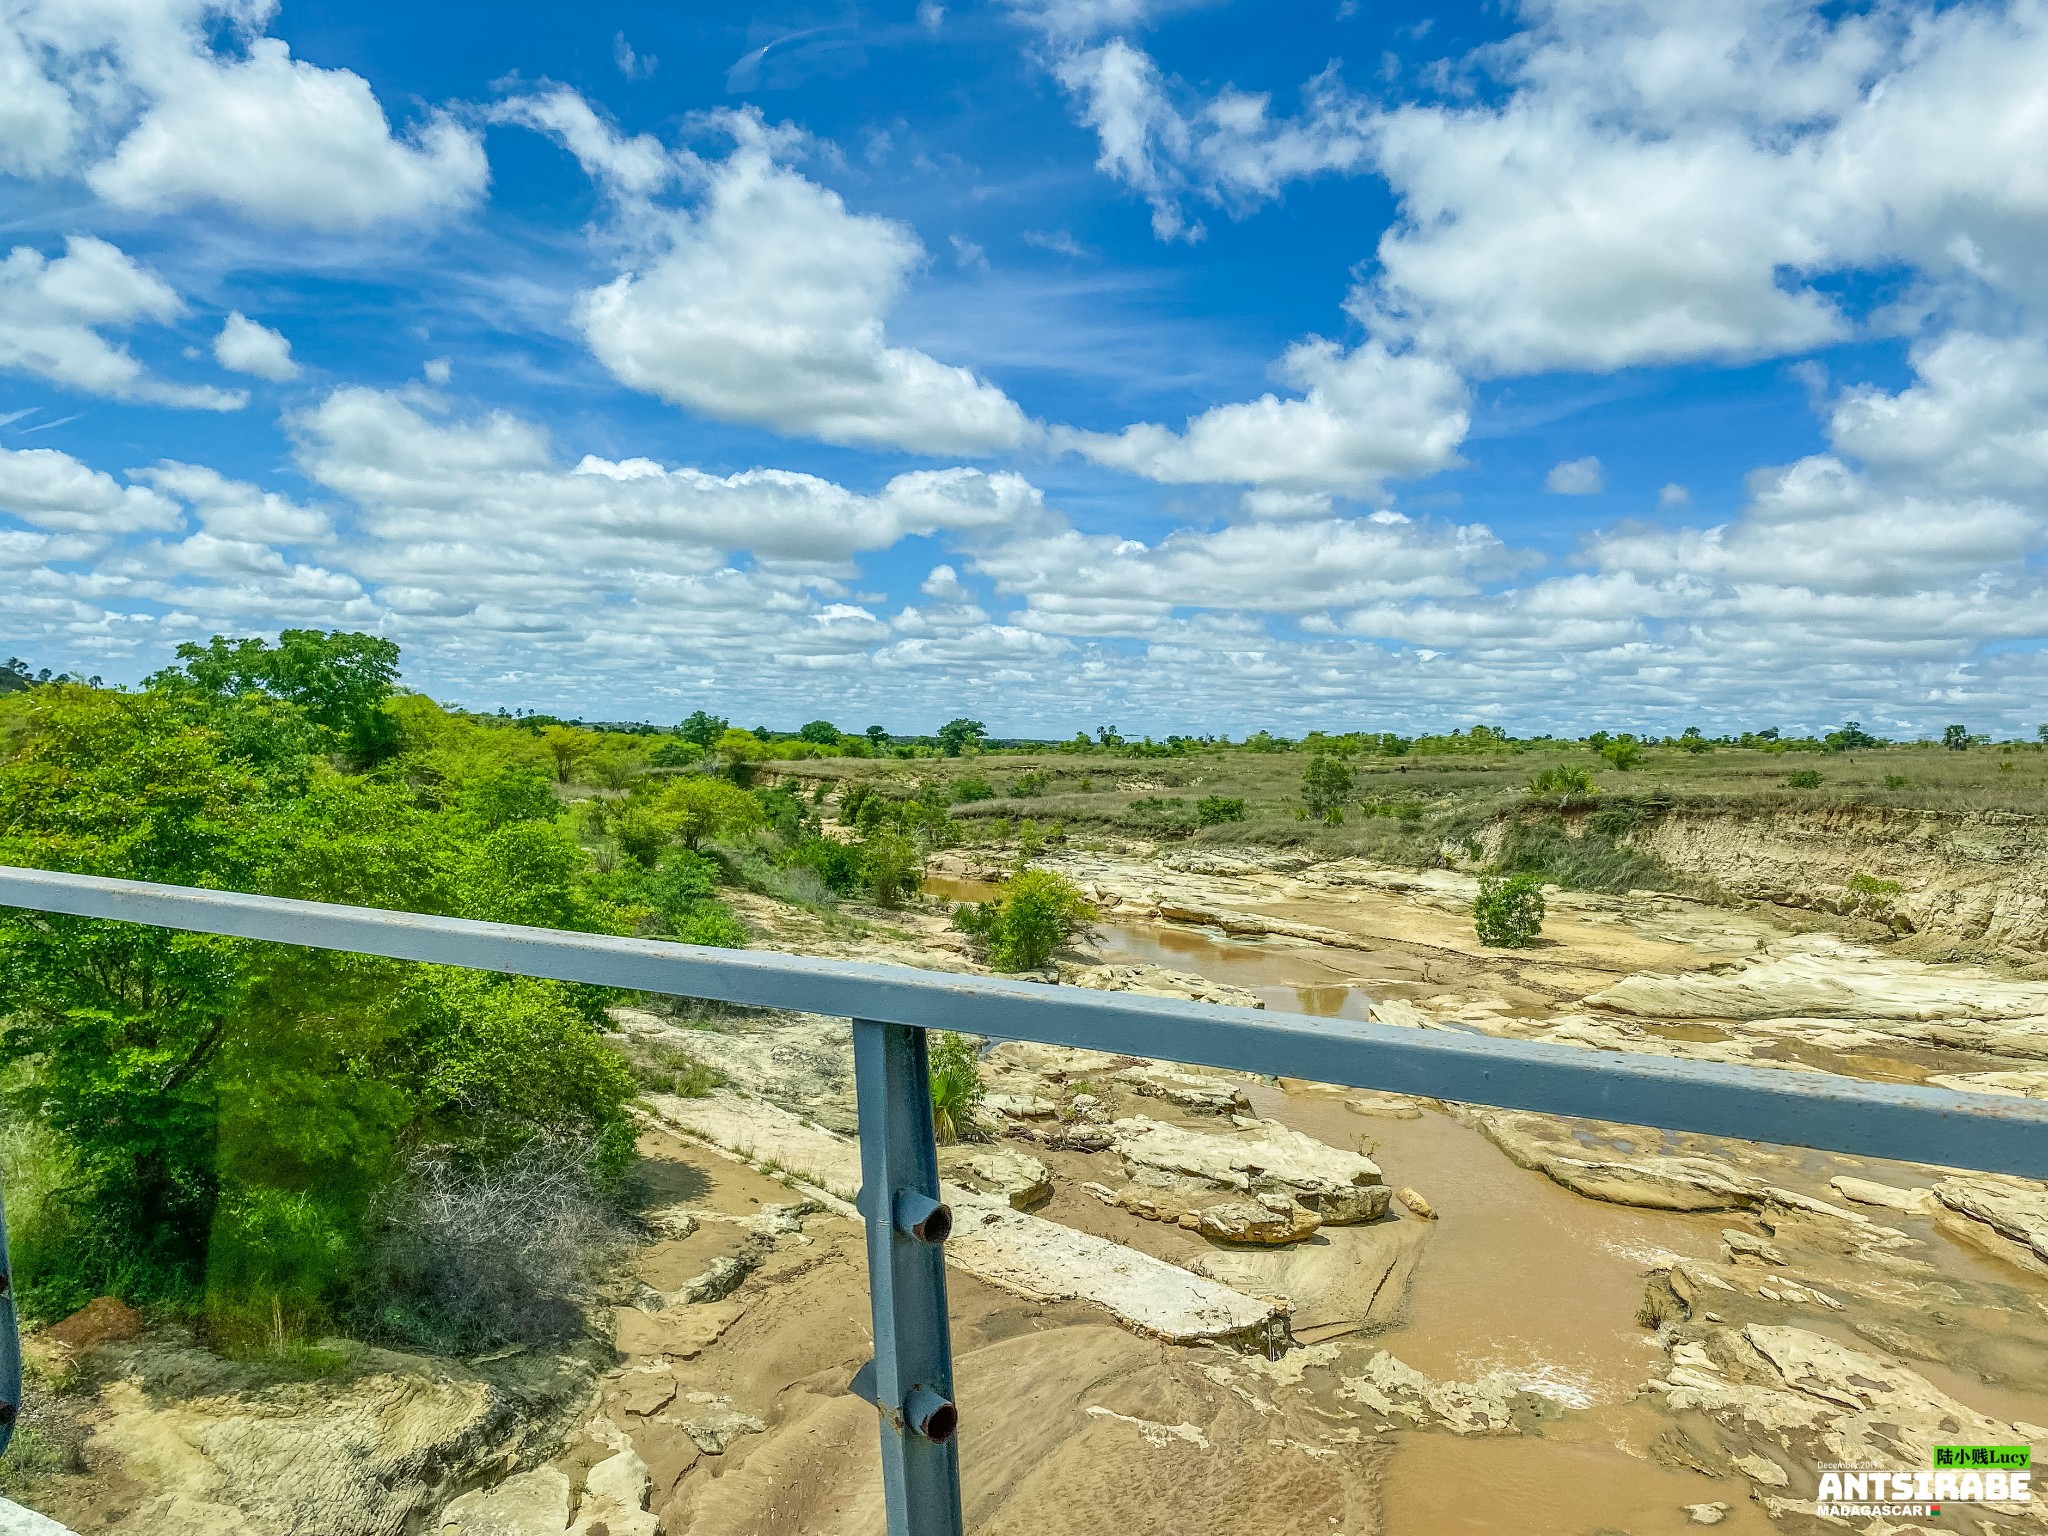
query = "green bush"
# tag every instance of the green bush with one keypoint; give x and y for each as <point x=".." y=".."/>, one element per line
<point x="1871" y="885"/>
<point x="1566" y="785"/>
<point x="1623" y="756"/>
<point x="972" y="788"/>
<point x="892" y="868"/>
<point x="1897" y="781"/>
<point x="1805" y="778"/>
<point x="1508" y="912"/>
<point x="1031" y="916"/>
<point x="1215" y="810"/>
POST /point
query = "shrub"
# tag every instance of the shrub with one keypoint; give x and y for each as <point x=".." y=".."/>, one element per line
<point x="1623" y="756"/>
<point x="1034" y="913"/>
<point x="1805" y="778"/>
<point x="1031" y="785"/>
<point x="1215" y="810"/>
<point x="838" y="865"/>
<point x="473" y="1257"/>
<point x="1325" y="784"/>
<point x="1897" y="781"/>
<point x="1871" y="885"/>
<point x="892" y="868"/>
<point x="1508" y="912"/>
<point x="1568" y="786"/>
<point x="972" y="788"/>
<point x="956" y="1084"/>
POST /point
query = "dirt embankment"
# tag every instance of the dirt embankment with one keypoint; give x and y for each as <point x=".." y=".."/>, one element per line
<point x="1972" y="878"/>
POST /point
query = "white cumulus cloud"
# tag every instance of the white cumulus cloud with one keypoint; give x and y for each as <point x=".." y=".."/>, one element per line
<point x="52" y="313"/>
<point x="1575" y="477"/>
<point x="244" y="346"/>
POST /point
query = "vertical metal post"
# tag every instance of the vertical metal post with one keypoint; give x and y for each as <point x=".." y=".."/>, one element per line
<point x="910" y="1380"/>
<point x="10" y="1341"/>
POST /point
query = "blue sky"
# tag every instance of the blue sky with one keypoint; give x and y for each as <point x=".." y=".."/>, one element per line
<point x="1194" y="367"/>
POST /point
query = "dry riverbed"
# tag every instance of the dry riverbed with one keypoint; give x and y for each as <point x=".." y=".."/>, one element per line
<point x="1195" y="1302"/>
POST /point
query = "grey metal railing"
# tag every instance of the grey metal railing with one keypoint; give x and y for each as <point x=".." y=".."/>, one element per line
<point x="910" y="1379"/>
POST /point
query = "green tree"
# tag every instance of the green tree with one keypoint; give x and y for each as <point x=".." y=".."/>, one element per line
<point x="1508" y="912"/>
<point x="821" y="733"/>
<point x="340" y="680"/>
<point x="696" y="806"/>
<point x="878" y="736"/>
<point x="1325" y="785"/>
<point x="958" y="735"/>
<point x="703" y="728"/>
<point x="1956" y="738"/>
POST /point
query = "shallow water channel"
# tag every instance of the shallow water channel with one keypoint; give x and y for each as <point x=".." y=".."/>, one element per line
<point x="1518" y="1276"/>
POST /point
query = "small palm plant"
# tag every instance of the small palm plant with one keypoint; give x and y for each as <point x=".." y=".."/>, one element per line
<point x="956" y="1085"/>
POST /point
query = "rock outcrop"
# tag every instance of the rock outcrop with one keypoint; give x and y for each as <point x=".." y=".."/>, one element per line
<point x="1340" y="1187"/>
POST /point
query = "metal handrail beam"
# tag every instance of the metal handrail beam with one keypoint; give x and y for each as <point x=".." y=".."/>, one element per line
<point x="1795" y="1108"/>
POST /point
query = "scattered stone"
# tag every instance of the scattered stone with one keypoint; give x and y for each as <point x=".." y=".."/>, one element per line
<point x="1189" y="1090"/>
<point x="1740" y="1245"/>
<point x="1016" y="1177"/>
<point x="719" y="1424"/>
<point x="645" y="1392"/>
<point x="1397" y="1391"/>
<point x="1413" y="1199"/>
<point x="1340" y="1187"/>
<point x="532" y="1503"/>
<point x="615" y="1499"/>
<point x="1705" y="1514"/>
<point x="1088" y="1107"/>
<point x="718" y="1280"/>
<point x="1019" y="1106"/>
<point x="1761" y="1469"/>
<point x="1385" y="1106"/>
<point x="674" y="1222"/>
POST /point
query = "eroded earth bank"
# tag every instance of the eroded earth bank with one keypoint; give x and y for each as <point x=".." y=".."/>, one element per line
<point x="1186" y="1301"/>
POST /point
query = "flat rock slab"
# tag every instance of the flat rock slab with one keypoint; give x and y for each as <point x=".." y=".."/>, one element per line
<point x="532" y="1503"/>
<point x="1340" y="1187"/>
<point x="1044" y="1261"/>
<point x="2015" y="1208"/>
<point x="1023" y="1254"/>
<point x="18" y="1521"/>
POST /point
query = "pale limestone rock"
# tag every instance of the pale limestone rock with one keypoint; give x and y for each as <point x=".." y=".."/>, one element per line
<point x="615" y="1499"/>
<point x="2031" y="1084"/>
<point x="1651" y="1180"/>
<point x="717" y="1424"/>
<point x="1017" y="1252"/>
<point x="1394" y="1390"/>
<point x="2014" y="1208"/>
<point x="1384" y="1106"/>
<point x="1414" y="1200"/>
<point x="645" y="1392"/>
<point x="1043" y="1261"/>
<point x="1265" y="1220"/>
<point x="1916" y="1202"/>
<point x="1019" y="1106"/>
<point x="1761" y="1469"/>
<point x="1190" y="1090"/>
<point x="1017" y="1177"/>
<point x="1742" y="1245"/>
<point x="1340" y="1187"/>
<point x="1705" y="1514"/>
<point x="1817" y="1399"/>
<point x="16" y="1520"/>
<point x="532" y="1503"/>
